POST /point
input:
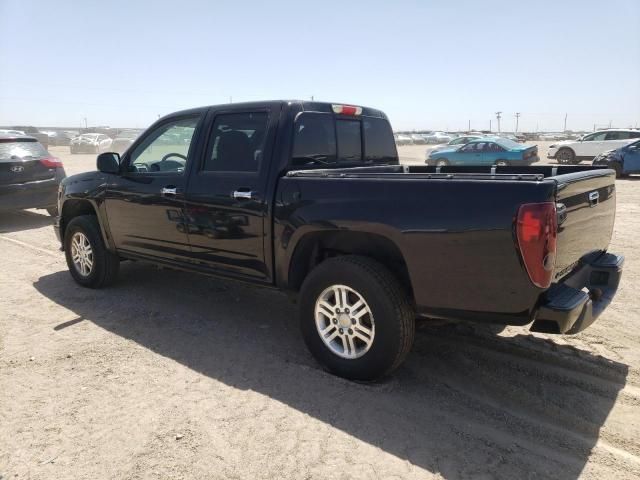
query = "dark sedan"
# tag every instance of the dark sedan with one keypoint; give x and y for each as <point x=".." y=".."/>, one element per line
<point x="29" y="175"/>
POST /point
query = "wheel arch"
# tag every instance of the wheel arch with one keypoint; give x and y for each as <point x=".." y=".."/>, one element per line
<point x="75" y="207"/>
<point x="315" y="247"/>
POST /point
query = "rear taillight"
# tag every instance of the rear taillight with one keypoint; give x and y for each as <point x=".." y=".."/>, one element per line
<point x="51" y="162"/>
<point x="537" y="233"/>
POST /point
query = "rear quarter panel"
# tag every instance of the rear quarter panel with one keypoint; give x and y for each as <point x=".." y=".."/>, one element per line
<point x="456" y="236"/>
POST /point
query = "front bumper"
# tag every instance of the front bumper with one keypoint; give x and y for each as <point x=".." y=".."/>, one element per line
<point x="571" y="306"/>
<point x="551" y="153"/>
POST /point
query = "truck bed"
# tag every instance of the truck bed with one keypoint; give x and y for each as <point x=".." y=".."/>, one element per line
<point x="455" y="225"/>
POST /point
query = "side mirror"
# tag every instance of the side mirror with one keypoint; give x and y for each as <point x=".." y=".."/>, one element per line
<point x="108" y="162"/>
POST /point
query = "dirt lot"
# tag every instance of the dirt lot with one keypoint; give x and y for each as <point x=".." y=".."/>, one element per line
<point x="171" y="375"/>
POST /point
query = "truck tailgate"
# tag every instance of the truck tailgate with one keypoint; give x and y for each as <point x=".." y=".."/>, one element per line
<point x="586" y="204"/>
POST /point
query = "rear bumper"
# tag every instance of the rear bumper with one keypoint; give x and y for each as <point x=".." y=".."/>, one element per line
<point x="43" y="193"/>
<point x="571" y="306"/>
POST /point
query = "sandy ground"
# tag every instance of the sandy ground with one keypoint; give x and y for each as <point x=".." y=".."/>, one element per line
<point x="172" y="375"/>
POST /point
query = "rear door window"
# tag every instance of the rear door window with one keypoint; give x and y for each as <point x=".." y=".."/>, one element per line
<point x="237" y="142"/>
<point x="617" y="136"/>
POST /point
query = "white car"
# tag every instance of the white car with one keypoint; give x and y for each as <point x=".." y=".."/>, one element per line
<point x="402" y="139"/>
<point x="588" y="146"/>
<point x="438" y="137"/>
<point x="11" y="132"/>
<point x="90" y="143"/>
<point x="418" y="139"/>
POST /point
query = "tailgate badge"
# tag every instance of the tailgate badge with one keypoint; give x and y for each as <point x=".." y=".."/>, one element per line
<point x="594" y="197"/>
<point x="17" y="168"/>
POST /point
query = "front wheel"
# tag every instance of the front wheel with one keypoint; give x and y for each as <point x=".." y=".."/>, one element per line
<point x="90" y="263"/>
<point x="356" y="318"/>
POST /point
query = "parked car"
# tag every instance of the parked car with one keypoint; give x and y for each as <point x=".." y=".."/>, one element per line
<point x="455" y="143"/>
<point x="29" y="175"/>
<point x="123" y="140"/>
<point x="591" y="145"/>
<point x="42" y="137"/>
<point x="59" y="139"/>
<point x="418" y="139"/>
<point x="402" y="139"/>
<point x="624" y="160"/>
<point x="508" y="136"/>
<point x="296" y="196"/>
<point x="486" y="151"/>
<point x="90" y="143"/>
<point x="4" y="131"/>
<point x="438" y="137"/>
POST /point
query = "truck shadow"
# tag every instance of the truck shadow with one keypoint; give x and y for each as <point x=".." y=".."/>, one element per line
<point x="16" y="221"/>
<point x="466" y="404"/>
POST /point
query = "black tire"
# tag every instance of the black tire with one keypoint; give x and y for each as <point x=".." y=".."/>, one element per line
<point x="105" y="264"/>
<point x="618" y="168"/>
<point x="566" y="156"/>
<point x="53" y="211"/>
<point x="389" y="305"/>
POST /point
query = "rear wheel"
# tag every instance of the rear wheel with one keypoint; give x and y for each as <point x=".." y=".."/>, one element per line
<point x="566" y="156"/>
<point x="356" y="318"/>
<point x="90" y="263"/>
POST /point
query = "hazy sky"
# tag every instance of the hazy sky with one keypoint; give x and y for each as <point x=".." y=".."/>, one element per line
<point x="427" y="64"/>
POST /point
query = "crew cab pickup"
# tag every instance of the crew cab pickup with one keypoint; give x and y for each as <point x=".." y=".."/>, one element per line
<point x="310" y="198"/>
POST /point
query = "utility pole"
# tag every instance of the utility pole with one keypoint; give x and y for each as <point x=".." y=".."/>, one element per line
<point x="517" y="118"/>
<point x="498" y="117"/>
<point x="85" y="122"/>
<point x="312" y="98"/>
<point x="565" y="121"/>
<point x="230" y="99"/>
<point x="489" y="125"/>
<point x="469" y="129"/>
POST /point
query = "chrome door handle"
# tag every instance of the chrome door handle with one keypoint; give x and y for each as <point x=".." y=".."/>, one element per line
<point x="168" y="191"/>
<point x="243" y="194"/>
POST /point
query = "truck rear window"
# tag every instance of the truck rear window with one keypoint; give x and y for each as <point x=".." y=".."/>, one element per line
<point x="322" y="139"/>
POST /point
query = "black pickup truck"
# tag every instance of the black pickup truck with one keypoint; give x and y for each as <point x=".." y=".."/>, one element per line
<point x="310" y="198"/>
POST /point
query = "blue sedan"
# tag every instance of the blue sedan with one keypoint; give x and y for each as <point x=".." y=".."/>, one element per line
<point x="624" y="160"/>
<point x="486" y="151"/>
